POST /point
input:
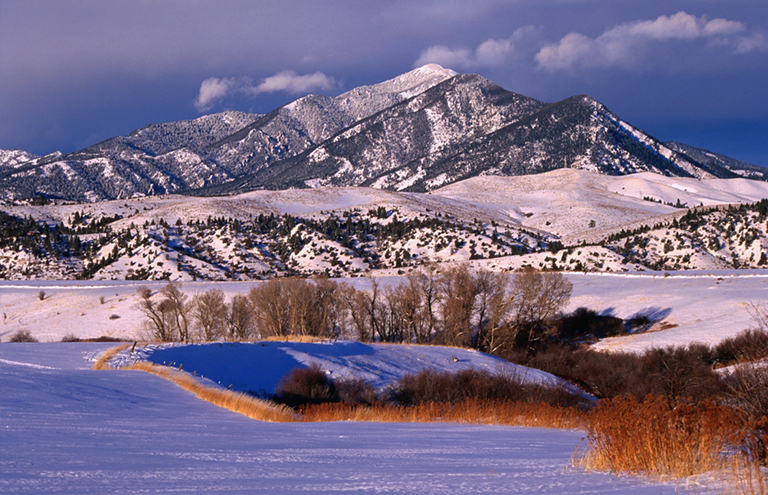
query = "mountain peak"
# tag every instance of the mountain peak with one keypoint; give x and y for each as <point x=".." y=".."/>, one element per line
<point x="405" y="85"/>
<point x="435" y="69"/>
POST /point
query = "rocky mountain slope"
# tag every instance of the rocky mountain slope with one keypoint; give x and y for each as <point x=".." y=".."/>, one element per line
<point x="710" y="158"/>
<point x="421" y="130"/>
<point x="164" y="158"/>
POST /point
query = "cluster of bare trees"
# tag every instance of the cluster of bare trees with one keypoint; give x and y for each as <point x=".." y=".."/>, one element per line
<point x="494" y="312"/>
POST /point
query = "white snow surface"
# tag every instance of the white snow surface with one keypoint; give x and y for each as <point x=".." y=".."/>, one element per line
<point x="67" y="429"/>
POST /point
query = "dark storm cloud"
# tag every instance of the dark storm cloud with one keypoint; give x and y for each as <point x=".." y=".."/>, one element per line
<point x="75" y="72"/>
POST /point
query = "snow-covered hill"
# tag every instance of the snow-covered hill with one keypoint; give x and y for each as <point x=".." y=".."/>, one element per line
<point x="258" y="367"/>
<point x="565" y="219"/>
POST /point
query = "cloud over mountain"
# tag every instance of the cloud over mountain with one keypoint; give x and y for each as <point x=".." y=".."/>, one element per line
<point x="214" y="89"/>
<point x="625" y="44"/>
<point x="490" y="53"/>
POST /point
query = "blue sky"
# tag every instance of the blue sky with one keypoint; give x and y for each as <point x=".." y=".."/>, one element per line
<point x="73" y="73"/>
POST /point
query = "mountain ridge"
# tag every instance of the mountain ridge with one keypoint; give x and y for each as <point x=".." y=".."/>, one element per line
<point x="416" y="132"/>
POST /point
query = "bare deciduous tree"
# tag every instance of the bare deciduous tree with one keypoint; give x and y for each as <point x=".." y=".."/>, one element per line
<point x="270" y="304"/>
<point x="209" y="312"/>
<point x="240" y="319"/>
<point x="492" y="311"/>
<point x="459" y="290"/>
<point x="159" y="318"/>
<point x="176" y="303"/>
<point x="536" y="297"/>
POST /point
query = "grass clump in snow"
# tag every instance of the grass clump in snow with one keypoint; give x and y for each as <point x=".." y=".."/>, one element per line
<point x="102" y="362"/>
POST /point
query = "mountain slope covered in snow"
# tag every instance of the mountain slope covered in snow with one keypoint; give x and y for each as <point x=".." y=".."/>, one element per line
<point x="416" y="132"/>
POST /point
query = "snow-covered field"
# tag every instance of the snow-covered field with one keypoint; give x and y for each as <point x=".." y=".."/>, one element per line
<point x="67" y="429"/>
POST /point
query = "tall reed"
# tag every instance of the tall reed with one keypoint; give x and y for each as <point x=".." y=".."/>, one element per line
<point x="660" y="437"/>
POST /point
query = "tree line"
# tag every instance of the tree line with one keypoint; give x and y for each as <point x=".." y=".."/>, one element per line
<point x="492" y="312"/>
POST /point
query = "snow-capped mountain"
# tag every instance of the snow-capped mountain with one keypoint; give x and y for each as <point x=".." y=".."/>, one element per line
<point x="419" y="131"/>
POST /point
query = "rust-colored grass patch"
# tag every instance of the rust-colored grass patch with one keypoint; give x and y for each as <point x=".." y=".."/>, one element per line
<point x="660" y="437"/>
<point x="471" y="412"/>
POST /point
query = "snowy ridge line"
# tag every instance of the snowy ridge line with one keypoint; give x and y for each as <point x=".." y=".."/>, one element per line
<point x="671" y="275"/>
<point x="29" y="365"/>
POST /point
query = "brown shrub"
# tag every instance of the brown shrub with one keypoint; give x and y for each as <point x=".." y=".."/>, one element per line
<point x="306" y="386"/>
<point x="749" y="345"/>
<point x="585" y="323"/>
<point x="355" y="391"/>
<point x="674" y="371"/>
<point x="431" y="386"/>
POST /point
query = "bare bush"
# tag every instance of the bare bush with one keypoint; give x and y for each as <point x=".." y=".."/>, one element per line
<point x="354" y="390"/>
<point x="306" y="386"/>
<point x="677" y="372"/>
<point x="23" y="336"/>
<point x="431" y="386"/>
<point x="585" y="323"/>
<point x="70" y="337"/>
<point x="747" y="391"/>
<point x="41" y="295"/>
<point x="749" y="345"/>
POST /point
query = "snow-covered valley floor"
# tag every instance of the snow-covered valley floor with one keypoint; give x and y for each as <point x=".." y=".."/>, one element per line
<point x="67" y="429"/>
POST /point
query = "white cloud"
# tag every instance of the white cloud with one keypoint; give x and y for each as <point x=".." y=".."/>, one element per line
<point x="624" y="45"/>
<point x="211" y="91"/>
<point x="459" y="58"/>
<point x="291" y="82"/>
<point x="215" y="89"/>
<point x="489" y="54"/>
<point x="755" y="42"/>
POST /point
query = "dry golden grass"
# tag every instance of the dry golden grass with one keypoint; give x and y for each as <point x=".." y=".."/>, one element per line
<point x="234" y="401"/>
<point x="472" y="411"/>
<point x="101" y="363"/>
<point x="660" y="438"/>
